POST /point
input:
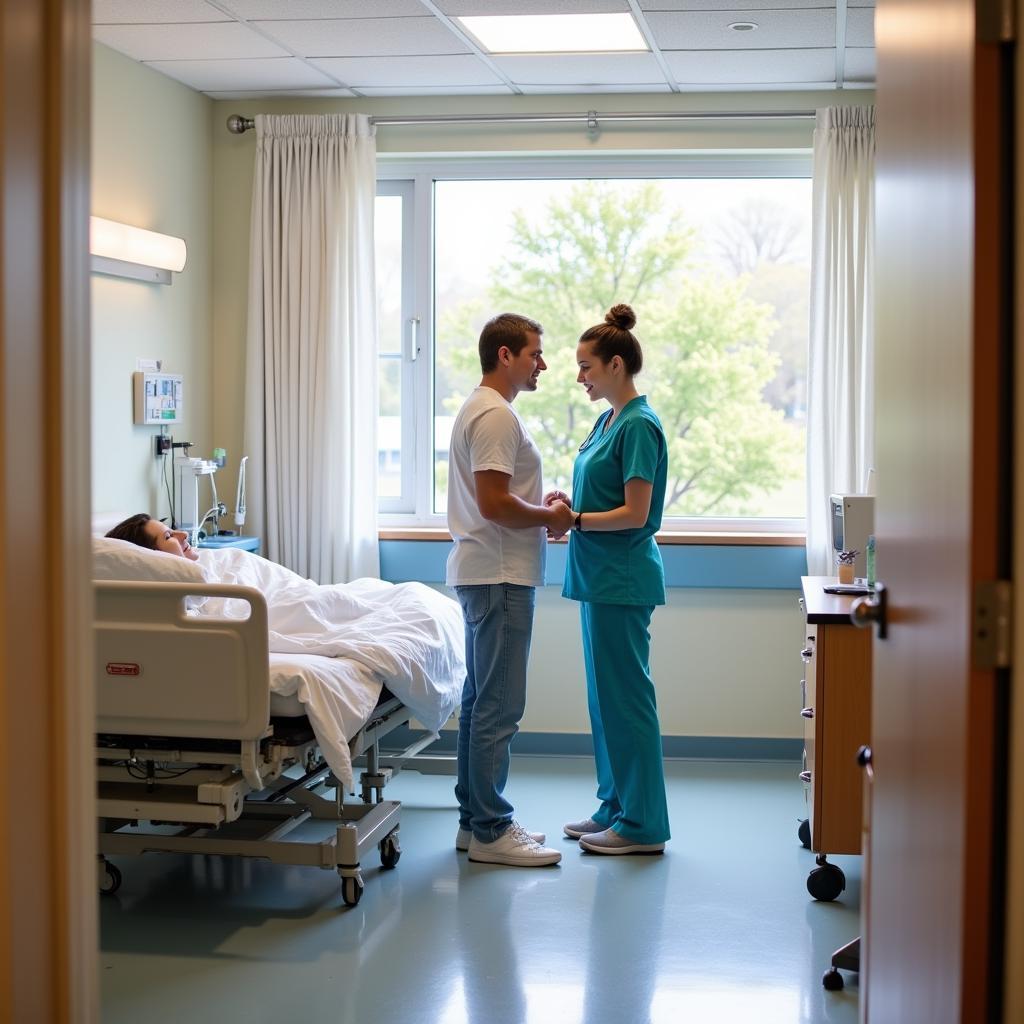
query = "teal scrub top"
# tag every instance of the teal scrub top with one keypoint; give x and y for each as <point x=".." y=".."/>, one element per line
<point x="621" y="566"/>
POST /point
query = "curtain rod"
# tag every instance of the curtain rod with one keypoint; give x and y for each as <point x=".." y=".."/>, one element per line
<point x="238" y="125"/>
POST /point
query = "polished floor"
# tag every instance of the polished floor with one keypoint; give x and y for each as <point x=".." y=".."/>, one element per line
<point x="720" y="929"/>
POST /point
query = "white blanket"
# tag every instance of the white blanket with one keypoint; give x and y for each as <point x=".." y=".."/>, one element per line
<point x="409" y="635"/>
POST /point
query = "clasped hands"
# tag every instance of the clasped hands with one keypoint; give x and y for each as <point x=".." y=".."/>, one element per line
<point x="561" y="505"/>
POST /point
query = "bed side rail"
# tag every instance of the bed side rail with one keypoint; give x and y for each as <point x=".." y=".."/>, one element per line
<point x="162" y="672"/>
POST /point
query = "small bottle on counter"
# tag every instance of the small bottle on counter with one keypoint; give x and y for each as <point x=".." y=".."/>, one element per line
<point x="869" y="554"/>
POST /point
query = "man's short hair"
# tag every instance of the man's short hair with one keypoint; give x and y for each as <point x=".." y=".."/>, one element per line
<point x="506" y="330"/>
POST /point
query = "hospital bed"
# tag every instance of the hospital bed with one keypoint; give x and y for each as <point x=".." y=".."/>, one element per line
<point x="190" y="758"/>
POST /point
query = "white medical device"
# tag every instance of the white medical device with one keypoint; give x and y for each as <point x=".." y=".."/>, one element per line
<point x="240" y="496"/>
<point x="852" y="518"/>
<point x="188" y="472"/>
<point x="159" y="398"/>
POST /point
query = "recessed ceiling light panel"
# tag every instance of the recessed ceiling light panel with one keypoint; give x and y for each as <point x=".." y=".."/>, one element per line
<point x="555" y="33"/>
<point x="743" y="26"/>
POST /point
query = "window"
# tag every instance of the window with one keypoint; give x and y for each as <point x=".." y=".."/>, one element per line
<point x="717" y="267"/>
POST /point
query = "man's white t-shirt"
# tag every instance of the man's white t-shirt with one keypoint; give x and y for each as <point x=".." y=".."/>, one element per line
<point x="488" y="434"/>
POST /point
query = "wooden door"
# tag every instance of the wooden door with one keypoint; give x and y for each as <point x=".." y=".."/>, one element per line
<point x="47" y="722"/>
<point x="932" y="927"/>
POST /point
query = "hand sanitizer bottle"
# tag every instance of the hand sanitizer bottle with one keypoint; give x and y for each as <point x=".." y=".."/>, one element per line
<point x="870" y="557"/>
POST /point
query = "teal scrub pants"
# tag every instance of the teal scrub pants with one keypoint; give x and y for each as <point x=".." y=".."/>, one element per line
<point x="624" y="721"/>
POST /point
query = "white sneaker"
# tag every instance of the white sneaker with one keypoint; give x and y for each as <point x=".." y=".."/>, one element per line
<point x="464" y="835"/>
<point x="514" y="847"/>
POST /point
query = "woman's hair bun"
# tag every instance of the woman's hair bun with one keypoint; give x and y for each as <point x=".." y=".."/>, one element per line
<point x="621" y="316"/>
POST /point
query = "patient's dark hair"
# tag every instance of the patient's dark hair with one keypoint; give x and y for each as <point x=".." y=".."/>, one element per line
<point x="615" y="338"/>
<point x="134" y="529"/>
<point x="506" y="330"/>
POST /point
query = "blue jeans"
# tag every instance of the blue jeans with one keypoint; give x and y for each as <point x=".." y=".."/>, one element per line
<point x="499" y="624"/>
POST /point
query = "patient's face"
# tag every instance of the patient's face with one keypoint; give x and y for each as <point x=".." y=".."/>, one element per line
<point x="174" y="542"/>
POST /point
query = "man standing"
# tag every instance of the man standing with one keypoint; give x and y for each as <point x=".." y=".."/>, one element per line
<point x="499" y="524"/>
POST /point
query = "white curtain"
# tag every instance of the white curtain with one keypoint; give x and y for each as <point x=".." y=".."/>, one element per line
<point x="840" y="377"/>
<point x="311" y="372"/>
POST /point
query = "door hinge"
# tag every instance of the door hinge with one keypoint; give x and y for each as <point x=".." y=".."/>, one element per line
<point x="993" y="621"/>
<point x="995" y="21"/>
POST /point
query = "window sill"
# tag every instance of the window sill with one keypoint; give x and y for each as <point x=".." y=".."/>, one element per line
<point x="665" y="538"/>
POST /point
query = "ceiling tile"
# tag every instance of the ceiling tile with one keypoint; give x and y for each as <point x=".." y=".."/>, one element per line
<point x="861" y="3"/>
<point x="360" y="72"/>
<point x="293" y="10"/>
<point x="147" y="12"/>
<point x="860" y="26"/>
<point x="733" y="5"/>
<point x="553" y="90"/>
<point x="581" y="69"/>
<point x="229" y="40"/>
<point x="430" y="90"/>
<point x="243" y="75"/>
<point x="709" y="30"/>
<point x="365" y="37"/>
<point x="859" y="64"/>
<point x="470" y="7"/>
<point x="751" y="67"/>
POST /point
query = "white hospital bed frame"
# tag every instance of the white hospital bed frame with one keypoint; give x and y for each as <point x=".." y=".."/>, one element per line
<point x="189" y="759"/>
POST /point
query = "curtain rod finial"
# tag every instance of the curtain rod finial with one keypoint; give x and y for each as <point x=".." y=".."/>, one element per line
<point x="239" y="125"/>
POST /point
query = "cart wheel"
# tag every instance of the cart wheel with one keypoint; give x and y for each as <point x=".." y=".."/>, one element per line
<point x="351" y="890"/>
<point x="390" y="853"/>
<point x="111" y="880"/>
<point x="826" y="882"/>
<point x="803" y="833"/>
<point x="832" y="980"/>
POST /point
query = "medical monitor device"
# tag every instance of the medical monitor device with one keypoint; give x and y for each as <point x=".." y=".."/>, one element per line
<point x="159" y="398"/>
<point x="852" y="519"/>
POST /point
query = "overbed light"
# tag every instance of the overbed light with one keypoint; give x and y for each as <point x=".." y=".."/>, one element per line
<point x="555" y="33"/>
<point x="127" y="251"/>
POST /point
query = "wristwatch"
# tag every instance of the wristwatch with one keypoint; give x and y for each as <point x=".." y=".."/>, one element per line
<point x="577" y="523"/>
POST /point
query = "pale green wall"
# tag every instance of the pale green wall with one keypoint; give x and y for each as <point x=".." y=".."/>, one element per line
<point x="152" y="166"/>
<point x="725" y="663"/>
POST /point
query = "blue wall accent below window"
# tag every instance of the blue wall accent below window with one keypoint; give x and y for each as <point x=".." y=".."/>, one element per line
<point x="703" y="566"/>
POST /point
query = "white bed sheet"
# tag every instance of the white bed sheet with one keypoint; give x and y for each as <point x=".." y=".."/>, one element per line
<point x="409" y="635"/>
<point x="336" y="694"/>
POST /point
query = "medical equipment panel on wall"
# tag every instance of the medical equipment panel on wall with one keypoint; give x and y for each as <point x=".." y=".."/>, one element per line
<point x="159" y="398"/>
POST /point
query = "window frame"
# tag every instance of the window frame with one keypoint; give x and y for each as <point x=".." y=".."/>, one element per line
<point x="418" y="175"/>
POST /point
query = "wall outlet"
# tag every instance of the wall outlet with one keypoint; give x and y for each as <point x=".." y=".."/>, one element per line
<point x="163" y="444"/>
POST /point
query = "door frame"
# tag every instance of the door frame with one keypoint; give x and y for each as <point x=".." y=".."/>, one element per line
<point x="48" y="892"/>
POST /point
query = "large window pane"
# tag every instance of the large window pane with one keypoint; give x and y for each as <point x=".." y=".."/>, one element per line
<point x="388" y="264"/>
<point x="718" y="273"/>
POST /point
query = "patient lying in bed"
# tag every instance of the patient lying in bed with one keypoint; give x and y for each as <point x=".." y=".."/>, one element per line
<point x="410" y="636"/>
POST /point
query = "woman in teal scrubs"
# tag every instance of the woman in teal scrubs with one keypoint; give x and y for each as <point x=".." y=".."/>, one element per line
<point x="614" y="570"/>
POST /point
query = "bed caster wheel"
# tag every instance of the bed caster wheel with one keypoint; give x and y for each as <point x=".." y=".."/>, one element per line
<point x="390" y="853"/>
<point x="803" y="833"/>
<point x="832" y="980"/>
<point x="826" y="882"/>
<point x="110" y="878"/>
<point x="351" y="890"/>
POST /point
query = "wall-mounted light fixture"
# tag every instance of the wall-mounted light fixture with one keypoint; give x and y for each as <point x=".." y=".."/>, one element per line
<point x="124" y="251"/>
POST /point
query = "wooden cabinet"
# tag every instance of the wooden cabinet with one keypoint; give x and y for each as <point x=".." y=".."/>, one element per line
<point x="836" y="698"/>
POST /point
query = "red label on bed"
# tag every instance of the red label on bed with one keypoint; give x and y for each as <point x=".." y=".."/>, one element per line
<point x="123" y="668"/>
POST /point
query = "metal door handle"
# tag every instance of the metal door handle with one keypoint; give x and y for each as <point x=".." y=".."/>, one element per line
<point x="872" y="609"/>
<point x="805" y="776"/>
<point x="807" y="712"/>
<point x="864" y="759"/>
<point x="806" y="654"/>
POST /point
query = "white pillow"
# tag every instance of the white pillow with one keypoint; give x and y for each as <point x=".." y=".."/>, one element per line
<point x="114" y="559"/>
